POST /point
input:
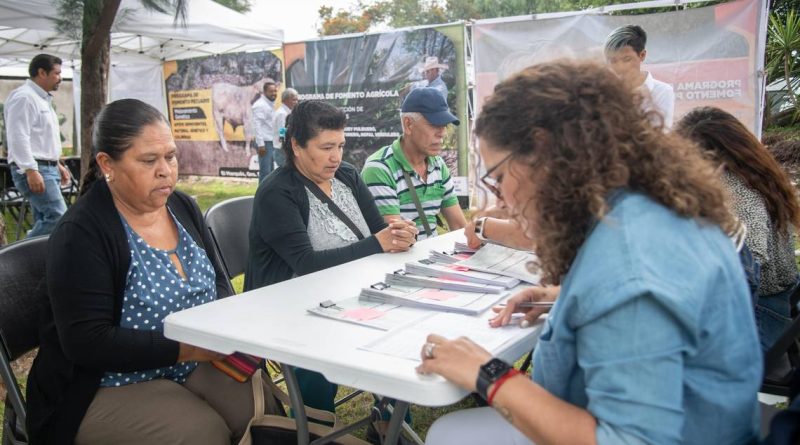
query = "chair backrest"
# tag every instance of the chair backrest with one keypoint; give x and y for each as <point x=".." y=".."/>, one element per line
<point x="229" y="224"/>
<point x="73" y="164"/>
<point x="23" y="294"/>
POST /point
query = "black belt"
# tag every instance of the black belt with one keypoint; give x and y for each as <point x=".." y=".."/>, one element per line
<point x="41" y="162"/>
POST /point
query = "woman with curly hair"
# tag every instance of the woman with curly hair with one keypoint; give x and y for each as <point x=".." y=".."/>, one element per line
<point x="764" y="200"/>
<point x="651" y="338"/>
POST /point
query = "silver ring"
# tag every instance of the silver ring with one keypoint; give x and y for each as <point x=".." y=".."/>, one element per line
<point x="429" y="349"/>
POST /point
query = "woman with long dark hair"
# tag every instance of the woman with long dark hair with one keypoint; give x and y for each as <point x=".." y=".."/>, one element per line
<point x="764" y="199"/>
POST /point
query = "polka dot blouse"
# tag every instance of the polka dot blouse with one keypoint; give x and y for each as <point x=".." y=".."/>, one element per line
<point x="154" y="289"/>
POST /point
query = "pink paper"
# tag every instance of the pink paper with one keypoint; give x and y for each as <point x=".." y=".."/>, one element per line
<point x="436" y="294"/>
<point x="363" y="314"/>
<point x="458" y="268"/>
<point x="462" y="256"/>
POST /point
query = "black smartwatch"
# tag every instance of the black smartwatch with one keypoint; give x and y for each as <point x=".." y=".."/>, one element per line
<point x="489" y="373"/>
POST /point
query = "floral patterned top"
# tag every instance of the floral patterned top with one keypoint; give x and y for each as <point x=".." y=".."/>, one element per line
<point x="325" y="229"/>
<point x="773" y="250"/>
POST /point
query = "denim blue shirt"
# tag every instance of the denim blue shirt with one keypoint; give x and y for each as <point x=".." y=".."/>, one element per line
<point x="653" y="331"/>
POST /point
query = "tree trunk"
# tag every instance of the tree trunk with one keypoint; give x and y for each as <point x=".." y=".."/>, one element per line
<point x="94" y="90"/>
<point x="98" y="16"/>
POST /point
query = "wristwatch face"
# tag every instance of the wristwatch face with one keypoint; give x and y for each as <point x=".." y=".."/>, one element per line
<point x="495" y="369"/>
<point x="489" y="373"/>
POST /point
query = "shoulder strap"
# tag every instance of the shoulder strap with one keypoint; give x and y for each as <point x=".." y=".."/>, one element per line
<point x="417" y="204"/>
<point x="331" y="206"/>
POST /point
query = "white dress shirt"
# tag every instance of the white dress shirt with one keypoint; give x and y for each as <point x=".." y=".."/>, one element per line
<point x="659" y="96"/>
<point x="439" y="84"/>
<point x="278" y="123"/>
<point x="32" y="127"/>
<point x="263" y="115"/>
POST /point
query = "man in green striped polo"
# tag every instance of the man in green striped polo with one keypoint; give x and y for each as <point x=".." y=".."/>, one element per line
<point x="414" y="158"/>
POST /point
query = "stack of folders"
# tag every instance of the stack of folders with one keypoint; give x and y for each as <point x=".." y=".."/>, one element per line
<point x="457" y="272"/>
<point x="463" y="248"/>
<point x="403" y="278"/>
<point x="448" y="257"/>
<point x="469" y="303"/>
<point x="494" y="258"/>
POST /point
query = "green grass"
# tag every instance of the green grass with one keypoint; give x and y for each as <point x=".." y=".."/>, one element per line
<point x="208" y="192"/>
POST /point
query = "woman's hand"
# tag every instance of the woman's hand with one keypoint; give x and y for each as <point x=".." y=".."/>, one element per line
<point x="456" y="360"/>
<point x="189" y="353"/>
<point x="398" y="236"/>
<point x="530" y="294"/>
<point x="473" y="242"/>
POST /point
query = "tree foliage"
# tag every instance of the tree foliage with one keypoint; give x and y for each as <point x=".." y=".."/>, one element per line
<point x="242" y="6"/>
<point x="368" y="15"/>
<point x="91" y="22"/>
<point x="783" y="54"/>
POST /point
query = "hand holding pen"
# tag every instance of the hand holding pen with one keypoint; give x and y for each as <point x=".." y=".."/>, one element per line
<point x="533" y="302"/>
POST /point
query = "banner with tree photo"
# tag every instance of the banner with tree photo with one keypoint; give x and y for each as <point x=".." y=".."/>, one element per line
<point x="711" y="56"/>
<point x="368" y="76"/>
<point x="210" y="100"/>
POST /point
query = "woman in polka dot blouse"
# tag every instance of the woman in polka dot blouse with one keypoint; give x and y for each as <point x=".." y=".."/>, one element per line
<point x="130" y="251"/>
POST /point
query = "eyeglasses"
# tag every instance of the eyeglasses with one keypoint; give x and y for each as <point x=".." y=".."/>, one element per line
<point x="491" y="183"/>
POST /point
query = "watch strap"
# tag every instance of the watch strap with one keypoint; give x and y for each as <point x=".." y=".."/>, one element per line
<point x="480" y="227"/>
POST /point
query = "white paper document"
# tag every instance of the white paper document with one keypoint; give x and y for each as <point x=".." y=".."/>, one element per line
<point x="501" y="260"/>
<point x="366" y="313"/>
<point x="406" y="342"/>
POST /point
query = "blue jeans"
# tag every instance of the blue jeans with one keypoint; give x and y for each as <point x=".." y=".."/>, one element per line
<point x="48" y="206"/>
<point x="773" y="316"/>
<point x="265" y="162"/>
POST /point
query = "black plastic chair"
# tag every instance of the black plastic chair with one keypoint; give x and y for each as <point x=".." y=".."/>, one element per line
<point x="70" y="191"/>
<point x="229" y="224"/>
<point x="23" y="295"/>
<point x="12" y="201"/>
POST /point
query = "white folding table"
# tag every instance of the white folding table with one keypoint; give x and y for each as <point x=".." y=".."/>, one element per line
<point x="273" y="322"/>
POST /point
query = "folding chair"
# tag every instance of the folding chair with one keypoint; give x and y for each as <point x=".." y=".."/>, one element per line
<point x="229" y="224"/>
<point x="12" y="201"/>
<point x="22" y="296"/>
<point x="70" y="191"/>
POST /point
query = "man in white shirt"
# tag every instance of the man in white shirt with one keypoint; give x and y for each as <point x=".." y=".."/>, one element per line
<point x="34" y="143"/>
<point x="263" y="116"/>
<point x="625" y="52"/>
<point x="289" y="99"/>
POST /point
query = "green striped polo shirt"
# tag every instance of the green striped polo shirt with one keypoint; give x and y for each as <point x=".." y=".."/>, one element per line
<point x="383" y="173"/>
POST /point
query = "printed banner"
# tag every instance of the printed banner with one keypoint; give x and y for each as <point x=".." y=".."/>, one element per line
<point x="368" y="76"/>
<point x="210" y="108"/>
<point x="710" y="55"/>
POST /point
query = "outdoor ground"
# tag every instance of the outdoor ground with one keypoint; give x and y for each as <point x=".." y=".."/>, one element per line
<point x="207" y="192"/>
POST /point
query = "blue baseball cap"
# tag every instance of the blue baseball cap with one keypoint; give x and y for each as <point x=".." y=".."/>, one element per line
<point x="430" y="103"/>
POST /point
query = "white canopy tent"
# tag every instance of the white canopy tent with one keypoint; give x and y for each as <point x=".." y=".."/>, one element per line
<point x="141" y="40"/>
